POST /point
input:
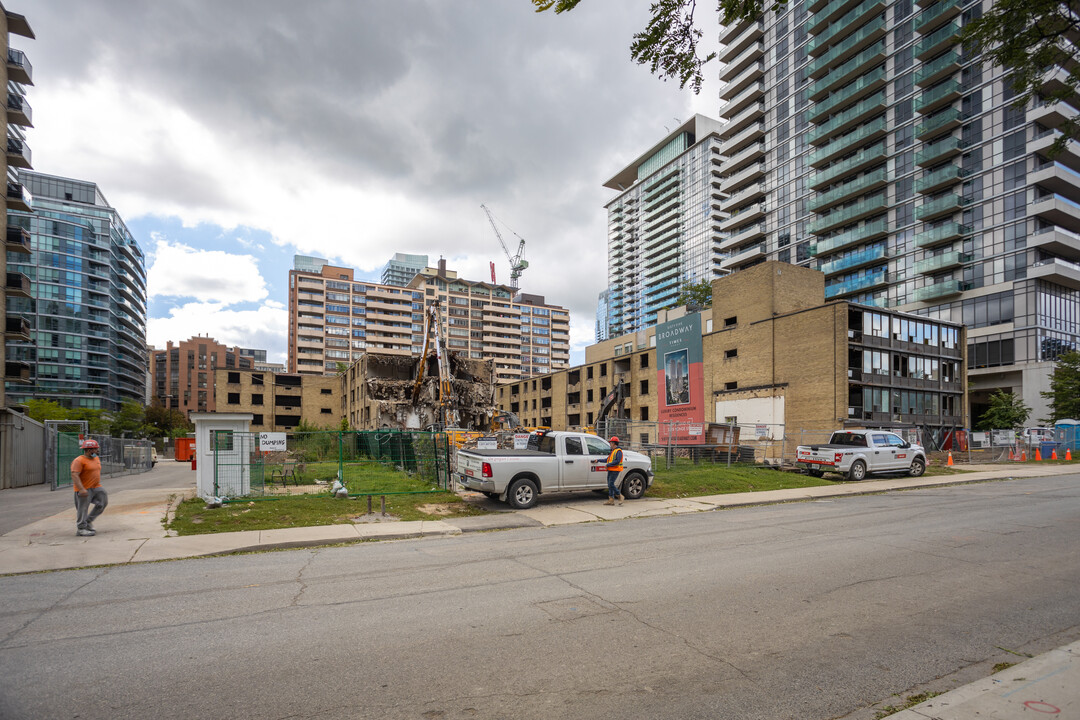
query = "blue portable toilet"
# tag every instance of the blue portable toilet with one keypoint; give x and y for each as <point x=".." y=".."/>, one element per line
<point x="1067" y="434"/>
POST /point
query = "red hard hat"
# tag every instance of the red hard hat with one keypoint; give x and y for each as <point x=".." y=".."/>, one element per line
<point x="90" y="445"/>
<point x="614" y="438"/>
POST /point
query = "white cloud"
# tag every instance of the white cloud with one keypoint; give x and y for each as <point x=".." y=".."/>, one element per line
<point x="211" y="276"/>
<point x="260" y="328"/>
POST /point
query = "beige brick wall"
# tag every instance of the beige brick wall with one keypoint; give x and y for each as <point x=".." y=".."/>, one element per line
<point x="320" y="398"/>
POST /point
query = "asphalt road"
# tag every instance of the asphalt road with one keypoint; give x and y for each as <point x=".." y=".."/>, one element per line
<point x="804" y="611"/>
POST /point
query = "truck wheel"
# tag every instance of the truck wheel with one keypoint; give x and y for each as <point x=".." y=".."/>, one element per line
<point x="633" y="486"/>
<point x="522" y="494"/>
<point x="857" y="471"/>
<point x="918" y="467"/>
<point x="814" y="472"/>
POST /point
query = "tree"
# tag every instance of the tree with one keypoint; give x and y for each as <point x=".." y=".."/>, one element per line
<point x="1064" y="394"/>
<point x="695" y="295"/>
<point x="128" y="420"/>
<point x="1006" y="412"/>
<point x="1028" y="38"/>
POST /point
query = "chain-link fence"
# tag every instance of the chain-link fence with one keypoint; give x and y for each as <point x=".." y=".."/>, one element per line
<point x="371" y="462"/>
<point x="996" y="446"/>
<point x="119" y="456"/>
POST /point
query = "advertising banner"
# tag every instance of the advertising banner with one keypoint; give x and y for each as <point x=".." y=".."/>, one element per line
<point x="680" y="381"/>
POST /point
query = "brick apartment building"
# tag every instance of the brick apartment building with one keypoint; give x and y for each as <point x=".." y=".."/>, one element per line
<point x="182" y="375"/>
<point x="774" y="352"/>
<point x="279" y="402"/>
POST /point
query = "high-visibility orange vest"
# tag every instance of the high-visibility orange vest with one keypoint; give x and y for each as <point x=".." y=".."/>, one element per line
<point x="614" y="460"/>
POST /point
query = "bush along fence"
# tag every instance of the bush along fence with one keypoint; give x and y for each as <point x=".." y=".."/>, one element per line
<point x="367" y="462"/>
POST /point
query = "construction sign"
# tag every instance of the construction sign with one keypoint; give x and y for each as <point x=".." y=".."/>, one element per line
<point x="680" y="381"/>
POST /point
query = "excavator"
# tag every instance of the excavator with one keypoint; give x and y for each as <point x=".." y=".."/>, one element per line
<point x="447" y="411"/>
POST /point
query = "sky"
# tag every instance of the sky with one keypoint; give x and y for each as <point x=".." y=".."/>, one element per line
<point x="231" y="136"/>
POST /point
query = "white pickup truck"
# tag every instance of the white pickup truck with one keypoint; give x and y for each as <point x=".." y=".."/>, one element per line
<point x="857" y="452"/>
<point x="555" y="461"/>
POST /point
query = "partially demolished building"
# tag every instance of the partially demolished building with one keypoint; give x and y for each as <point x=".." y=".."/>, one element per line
<point x="382" y="390"/>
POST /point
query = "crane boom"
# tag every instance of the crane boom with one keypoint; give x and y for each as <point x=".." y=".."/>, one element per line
<point x="517" y="264"/>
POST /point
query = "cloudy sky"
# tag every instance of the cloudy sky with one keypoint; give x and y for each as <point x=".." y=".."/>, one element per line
<point x="232" y="135"/>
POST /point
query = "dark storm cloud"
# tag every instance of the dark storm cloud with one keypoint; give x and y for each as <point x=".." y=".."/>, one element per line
<point x="450" y="103"/>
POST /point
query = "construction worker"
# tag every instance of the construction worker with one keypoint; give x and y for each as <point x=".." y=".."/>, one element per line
<point x="614" y="467"/>
<point x="86" y="479"/>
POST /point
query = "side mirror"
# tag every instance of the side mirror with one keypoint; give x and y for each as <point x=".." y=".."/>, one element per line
<point x="906" y="444"/>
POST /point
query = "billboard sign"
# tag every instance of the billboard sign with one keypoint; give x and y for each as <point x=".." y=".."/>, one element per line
<point x="680" y="381"/>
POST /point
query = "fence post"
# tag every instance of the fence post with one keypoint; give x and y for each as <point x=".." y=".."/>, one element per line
<point x="340" y="457"/>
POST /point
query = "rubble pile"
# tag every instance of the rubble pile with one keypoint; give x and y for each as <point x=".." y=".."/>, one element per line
<point x="389" y="381"/>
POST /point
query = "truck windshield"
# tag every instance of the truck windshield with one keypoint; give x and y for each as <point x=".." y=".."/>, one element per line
<point x="846" y="438"/>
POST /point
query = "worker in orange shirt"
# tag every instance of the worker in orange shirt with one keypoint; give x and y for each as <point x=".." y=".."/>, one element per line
<point x="86" y="479"/>
<point x="614" y="467"/>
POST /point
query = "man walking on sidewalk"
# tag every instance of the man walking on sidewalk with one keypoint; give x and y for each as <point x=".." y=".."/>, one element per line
<point x="614" y="467"/>
<point x="86" y="479"/>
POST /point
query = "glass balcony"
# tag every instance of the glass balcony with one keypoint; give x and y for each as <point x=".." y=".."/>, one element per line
<point x="849" y="214"/>
<point x="933" y="153"/>
<point x="848" y="70"/>
<point x="939" y="178"/>
<point x="937" y="96"/>
<point x="936" y="41"/>
<point x="874" y="153"/>
<point x="875" y="229"/>
<point x="865" y="282"/>
<point x="842" y="144"/>
<point x="855" y="260"/>
<point x="937" y="68"/>
<point x="849" y="20"/>
<point x="849" y="93"/>
<point x="944" y="261"/>
<point x="932" y="17"/>
<point x="944" y="120"/>
<point x="19" y="110"/>
<point x="872" y="104"/>
<point x="824" y="14"/>
<point x="940" y="206"/>
<point x="850" y="45"/>
<point x="867" y="182"/>
<point x="937" y="290"/>
<point x="19" y="68"/>
<point x="18" y="153"/>
<point x="941" y="234"/>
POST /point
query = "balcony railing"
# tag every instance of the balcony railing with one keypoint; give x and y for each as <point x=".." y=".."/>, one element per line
<point x="937" y="95"/>
<point x="19" y="108"/>
<point x="874" y="103"/>
<point x="848" y="214"/>
<point x="939" y="66"/>
<point x="867" y="156"/>
<point x="944" y="261"/>
<point x="951" y="117"/>
<point x="844" y="24"/>
<point x="850" y="45"/>
<point x="19" y="68"/>
<point x="849" y="68"/>
<point x="937" y="290"/>
<point x="855" y="260"/>
<point x="860" y="186"/>
<point x="939" y="206"/>
<point x="939" y="178"/>
<point x="855" y="285"/>
<point x="935" y="15"/>
<point x="870" y="230"/>
<point x="842" y="144"/>
<point x="849" y="93"/>
<point x="936" y="41"/>
<point x="942" y="233"/>
<point x="933" y="153"/>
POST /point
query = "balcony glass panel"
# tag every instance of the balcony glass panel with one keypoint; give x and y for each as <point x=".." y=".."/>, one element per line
<point x="937" y="94"/>
<point x="848" y="92"/>
<point x="867" y="231"/>
<point x="874" y="102"/>
<point x="934" y="12"/>
<point x="941" y="262"/>
<point x="838" y="170"/>
<point x="937" y="290"/>
<point x="937" y="38"/>
<point x="854" y="260"/>
<point x="847" y="68"/>
<point x="933" y="151"/>
<point x="840" y="144"/>
<point x="875" y="26"/>
<point x="848" y="214"/>
<point x="940" y="177"/>
<point x="844" y="24"/>
<point x="946" y="203"/>
<point x="936" y="66"/>
<point x="940" y="120"/>
<point x="856" y="187"/>
<point x="942" y="233"/>
<point x="876" y="277"/>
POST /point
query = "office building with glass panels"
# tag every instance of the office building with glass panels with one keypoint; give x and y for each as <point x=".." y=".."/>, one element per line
<point x="86" y="300"/>
<point x="894" y="162"/>
<point x="402" y="268"/>
<point x="665" y="227"/>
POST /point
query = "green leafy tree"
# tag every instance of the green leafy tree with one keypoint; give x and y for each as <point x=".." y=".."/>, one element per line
<point x="695" y="295"/>
<point x="1028" y="38"/>
<point x="1006" y="412"/>
<point x="42" y="410"/>
<point x="129" y="420"/>
<point x="1064" y="395"/>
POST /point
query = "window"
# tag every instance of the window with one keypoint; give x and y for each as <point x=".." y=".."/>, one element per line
<point x="573" y="446"/>
<point x="732" y="353"/>
<point x="644" y="414"/>
<point x="731" y="322"/>
<point x="324" y="411"/>
<point x="257" y="419"/>
<point x="596" y="446"/>
<point x="731" y="385"/>
<point x="234" y="377"/>
<point x="644" y="360"/>
<point x="325" y="391"/>
<point x="256" y="399"/>
<point x="234" y="398"/>
<point x="644" y="387"/>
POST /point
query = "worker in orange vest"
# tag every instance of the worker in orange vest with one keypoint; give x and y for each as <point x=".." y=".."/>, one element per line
<point x="614" y="467"/>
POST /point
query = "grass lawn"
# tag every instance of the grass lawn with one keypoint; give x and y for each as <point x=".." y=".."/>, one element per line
<point x="689" y="480"/>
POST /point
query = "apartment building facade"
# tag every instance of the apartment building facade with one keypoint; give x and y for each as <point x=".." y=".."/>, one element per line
<point x="83" y="296"/>
<point x="774" y="352"/>
<point x="665" y="228"/>
<point x="895" y="164"/>
<point x="334" y="319"/>
<point x="182" y="375"/>
<point x="279" y="402"/>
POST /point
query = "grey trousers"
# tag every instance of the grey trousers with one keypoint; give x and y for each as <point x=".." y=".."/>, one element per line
<point x="84" y="516"/>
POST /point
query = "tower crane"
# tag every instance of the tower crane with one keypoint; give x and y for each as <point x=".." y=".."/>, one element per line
<point x="517" y="264"/>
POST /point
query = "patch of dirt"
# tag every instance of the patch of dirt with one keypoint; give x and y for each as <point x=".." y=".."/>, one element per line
<point x="439" y="509"/>
<point x="375" y="518"/>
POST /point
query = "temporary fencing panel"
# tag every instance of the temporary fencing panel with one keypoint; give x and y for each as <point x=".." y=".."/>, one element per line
<point x="366" y="462"/>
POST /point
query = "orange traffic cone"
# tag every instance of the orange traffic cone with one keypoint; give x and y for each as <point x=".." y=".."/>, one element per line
<point x="1038" y="455"/>
<point x="950" y="459"/>
<point x="1068" y="453"/>
<point x="1053" y="454"/>
<point x="1023" y="456"/>
<point x="1011" y="454"/>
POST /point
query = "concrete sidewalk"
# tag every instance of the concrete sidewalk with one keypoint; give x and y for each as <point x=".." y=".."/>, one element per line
<point x="132" y="529"/>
